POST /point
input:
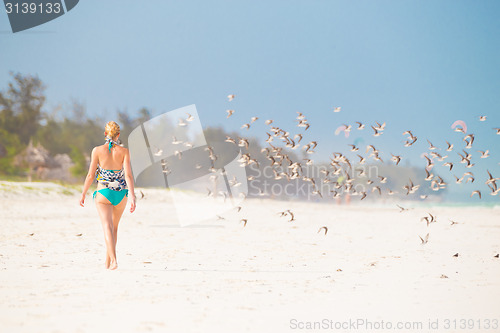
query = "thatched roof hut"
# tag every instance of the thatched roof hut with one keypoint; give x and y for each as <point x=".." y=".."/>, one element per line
<point x="36" y="159"/>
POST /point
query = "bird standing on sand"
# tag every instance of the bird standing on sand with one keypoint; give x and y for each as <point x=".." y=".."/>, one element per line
<point x="426" y="240"/>
<point x="401" y="209"/>
<point x="323" y="227"/>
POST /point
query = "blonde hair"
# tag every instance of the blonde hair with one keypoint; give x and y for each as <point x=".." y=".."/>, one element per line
<point x="112" y="129"/>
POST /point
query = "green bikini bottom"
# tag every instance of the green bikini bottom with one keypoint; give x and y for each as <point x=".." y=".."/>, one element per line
<point x="115" y="197"/>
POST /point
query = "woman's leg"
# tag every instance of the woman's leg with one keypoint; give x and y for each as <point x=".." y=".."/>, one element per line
<point x="105" y="210"/>
<point x="117" y="214"/>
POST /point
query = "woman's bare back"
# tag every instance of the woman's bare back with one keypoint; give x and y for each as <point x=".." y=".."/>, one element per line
<point x="110" y="160"/>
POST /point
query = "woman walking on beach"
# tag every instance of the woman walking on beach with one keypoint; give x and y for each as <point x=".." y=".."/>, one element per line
<point x="110" y="166"/>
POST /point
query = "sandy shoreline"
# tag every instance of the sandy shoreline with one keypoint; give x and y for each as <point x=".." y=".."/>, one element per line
<point x="222" y="277"/>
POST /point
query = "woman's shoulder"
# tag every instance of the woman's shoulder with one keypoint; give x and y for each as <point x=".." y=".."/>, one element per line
<point x="97" y="149"/>
<point x="122" y="149"/>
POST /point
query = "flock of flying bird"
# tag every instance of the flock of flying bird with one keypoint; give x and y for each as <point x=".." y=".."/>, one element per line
<point x="341" y="164"/>
<point x="341" y="167"/>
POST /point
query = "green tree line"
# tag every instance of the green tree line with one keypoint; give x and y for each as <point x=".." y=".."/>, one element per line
<point x="24" y="118"/>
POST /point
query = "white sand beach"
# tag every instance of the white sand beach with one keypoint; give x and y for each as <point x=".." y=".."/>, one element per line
<point x="269" y="276"/>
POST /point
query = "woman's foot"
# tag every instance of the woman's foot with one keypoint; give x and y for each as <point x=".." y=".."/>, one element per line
<point x="113" y="265"/>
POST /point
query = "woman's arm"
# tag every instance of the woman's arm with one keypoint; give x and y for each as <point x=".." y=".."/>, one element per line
<point x="129" y="178"/>
<point x="90" y="176"/>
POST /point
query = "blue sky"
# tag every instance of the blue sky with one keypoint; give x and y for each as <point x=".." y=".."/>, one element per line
<point x="416" y="65"/>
